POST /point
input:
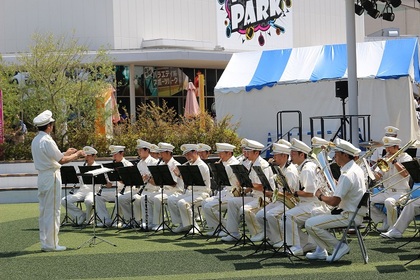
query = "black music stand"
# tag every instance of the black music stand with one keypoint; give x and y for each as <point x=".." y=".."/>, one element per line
<point x="213" y="183"/>
<point x="94" y="175"/>
<point x="87" y="180"/>
<point x="68" y="176"/>
<point x="242" y="174"/>
<point x="286" y="189"/>
<point x="413" y="167"/>
<point x="162" y="176"/>
<point x="191" y="175"/>
<point x="114" y="176"/>
<point x="130" y="176"/>
<point x="265" y="245"/>
<point x="222" y="179"/>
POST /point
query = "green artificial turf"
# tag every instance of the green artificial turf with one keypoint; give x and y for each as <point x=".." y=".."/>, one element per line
<point x="143" y="255"/>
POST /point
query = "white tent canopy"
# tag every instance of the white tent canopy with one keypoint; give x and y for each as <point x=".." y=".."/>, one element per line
<point x="257" y="85"/>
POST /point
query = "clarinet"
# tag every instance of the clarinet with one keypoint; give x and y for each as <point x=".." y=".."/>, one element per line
<point x="72" y="189"/>
<point x="145" y="210"/>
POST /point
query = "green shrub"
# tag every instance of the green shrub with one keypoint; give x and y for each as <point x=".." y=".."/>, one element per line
<point x="154" y="124"/>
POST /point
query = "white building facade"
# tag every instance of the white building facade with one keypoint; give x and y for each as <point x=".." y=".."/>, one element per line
<point x="158" y="45"/>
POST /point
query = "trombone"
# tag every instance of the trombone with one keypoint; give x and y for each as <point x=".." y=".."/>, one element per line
<point x="383" y="164"/>
<point x="407" y="199"/>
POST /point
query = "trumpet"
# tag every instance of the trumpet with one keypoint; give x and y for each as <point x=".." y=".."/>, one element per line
<point x="383" y="164"/>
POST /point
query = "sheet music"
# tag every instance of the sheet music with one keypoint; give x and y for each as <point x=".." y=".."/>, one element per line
<point x="99" y="171"/>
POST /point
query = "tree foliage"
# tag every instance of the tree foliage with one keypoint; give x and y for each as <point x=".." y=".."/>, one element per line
<point x="61" y="76"/>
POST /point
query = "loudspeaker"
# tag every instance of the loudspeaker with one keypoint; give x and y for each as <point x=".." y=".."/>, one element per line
<point x="341" y="89"/>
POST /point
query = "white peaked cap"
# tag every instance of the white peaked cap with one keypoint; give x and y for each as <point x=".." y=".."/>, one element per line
<point x="142" y="144"/>
<point x="116" y="149"/>
<point x="185" y="148"/>
<point x="391" y="141"/>
<point x="251" y="145"/>
<point x="165" y="147"/>
<point x="224" y="147"/>
<point x="281" y="149"/>
<point x="319" y="142"/>
<point x="284" y="142"/>
<point x="43" y="119"/>
<point x="154" y="148"/>
<point x="346" y="147"/>
<point x="391" y="131"/>
<point x="203" y="147"/>
<point x="299" y="146"/>
<point x="89" y="150"/>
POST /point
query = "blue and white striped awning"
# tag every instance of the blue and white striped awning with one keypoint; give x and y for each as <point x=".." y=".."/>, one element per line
<point x="375" y="60"/>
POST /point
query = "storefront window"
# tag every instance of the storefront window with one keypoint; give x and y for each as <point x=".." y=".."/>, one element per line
<point x="163" y="84"/>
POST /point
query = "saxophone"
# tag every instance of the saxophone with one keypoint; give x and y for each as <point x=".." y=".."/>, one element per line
<point x="289" y="199"/>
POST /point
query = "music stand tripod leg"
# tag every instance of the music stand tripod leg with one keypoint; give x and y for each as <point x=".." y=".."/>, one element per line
<point x="265" y="245"/>
<point x="92" y="241"/>
<point x="163" y="224"/>
<point x="193" y="226"/>
<point x="287" y="252"/>
<point x="244" y="239"/>
<point x="220" y="227"/>
<point x="67" y="220"/>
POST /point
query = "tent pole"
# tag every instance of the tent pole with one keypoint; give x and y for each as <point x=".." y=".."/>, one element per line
<point x="352" y="70"/>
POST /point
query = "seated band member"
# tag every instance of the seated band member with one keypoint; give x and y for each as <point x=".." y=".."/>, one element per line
<point x="347" y="195"/>
<point x="211" y="204"/>
<point x="251" y="207"/>
<point x="296" y="217"/>
<point x="275" y="210"/>
<point x="203" y="151"/>
<point x="109" y="194"/>
<point x="410" y="211"/>
<point x="143" y="148"/>
<point x="155" y="202"/>
<point x="154" y="151"/>
<point x="395" y="183"/>
<point x="84" y="193"/>
<point x="180" y="206"/>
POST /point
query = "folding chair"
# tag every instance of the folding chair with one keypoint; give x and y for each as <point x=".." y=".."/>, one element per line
<point x="352" y="224"/>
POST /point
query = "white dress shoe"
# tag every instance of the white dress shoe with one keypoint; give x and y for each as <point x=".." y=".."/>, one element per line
<point x="257" y="237"/>
<point x="296" y="251"/>
<point x="344" y="249"/>
<point x="181" y="228"/>
<point x="57" y="248"/>
<point x="231" y="238"/>
<point x="322" y="255"/>
<point x="392" y="233"/>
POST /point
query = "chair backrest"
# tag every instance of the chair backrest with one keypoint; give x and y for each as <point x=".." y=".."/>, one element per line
<point x="364" y="201"/>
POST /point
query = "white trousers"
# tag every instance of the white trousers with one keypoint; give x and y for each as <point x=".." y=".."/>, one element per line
<point x="234" y="212"/>
<point x="211" y="210"/>
<point x="407" y="215"/>
<point x="180" y="207"/>
<point x="389" y="199"/>
<point x="317" y="227"/>
<point x="72" y="209"/>
<point x="49" y="196"/>
<point x="273" y="214"/>
<point x="295" y="219"/>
